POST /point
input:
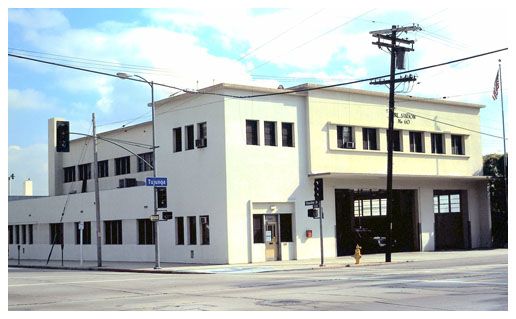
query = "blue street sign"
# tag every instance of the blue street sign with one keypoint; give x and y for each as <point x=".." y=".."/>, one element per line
<point x="156" y="181"/>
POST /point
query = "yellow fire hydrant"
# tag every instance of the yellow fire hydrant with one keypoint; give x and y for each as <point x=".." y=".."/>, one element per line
<point x="357" y="254"/>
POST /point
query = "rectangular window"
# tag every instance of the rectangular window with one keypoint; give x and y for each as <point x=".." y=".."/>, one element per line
<point x="269" y="131"/>
<point x="202" y="131"/>
<point x="345" y="137"/>
<point x="149" y="158"/>
<point x="457" y="144"/>
<point x="11" y="237"/>
<point x="86" y="233"/>
<point x="285" y="228"/>
<point x="23" y="234"/>
<point x="177" y="138"/>
<point x="122" y="165"/>
<point x="145" y="232"/>
<point x="205" y="229"/>
<point x="180" y="231"/>
<point x="369" y="138"/>
<point x="69" y="174"/>
<point x="31" y="234"/>
<point x="17" y="234"/>
<point x="113" y="232"/>
<point x="190" y="137"/>
<point x="192" y="231"/>
<point x="258" y="229"/>
<point x="437" y="143"/>
<point x="287" y="134"/>
<point x="84" y="171"/>
<point x="449" y="202"/>
<point x="103" y="168"/>
<point x="416" y="142"/>
<point x="56" y="233"/>
<point x="251" y="132"/>
<point x="396" y="141"/>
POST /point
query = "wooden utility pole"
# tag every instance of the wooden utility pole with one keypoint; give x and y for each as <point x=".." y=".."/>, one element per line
<point x="393" y="44"/>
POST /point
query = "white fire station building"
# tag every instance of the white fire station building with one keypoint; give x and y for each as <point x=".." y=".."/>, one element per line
<point x="240" y="170"/>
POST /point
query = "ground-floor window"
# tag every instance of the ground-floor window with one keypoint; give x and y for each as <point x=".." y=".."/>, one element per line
<point x="17" y="234"/>
<point x="285" y="228"/>
<point x="258" y="229"/>
<point x="11" y="237"/>
<point x="113" y="232"/>
<point x="86" y="233"/>
<point x="180" y="231"/>
<point x="145" y="232"/>
<point x="447" y="203"/>
<point x="192" y="231"/>
<point x="370" y="207"/>
<point x="205" y="230"/>
<point x="24" y="234"/>
<point x="31" y="234"/>
<point x="56" y="233"/>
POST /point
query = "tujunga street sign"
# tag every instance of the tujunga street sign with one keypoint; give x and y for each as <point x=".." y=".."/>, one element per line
<point x="156" y="181"/>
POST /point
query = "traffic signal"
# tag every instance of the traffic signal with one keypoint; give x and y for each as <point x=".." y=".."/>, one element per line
<point x="161" y="193"/>
<point x="313" y="212"/>
<point x="62" y="136"/>
<point x="167" y="215"/>
<point x="318" y="189"/>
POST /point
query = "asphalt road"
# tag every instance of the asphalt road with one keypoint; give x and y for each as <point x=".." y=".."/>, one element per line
<point x="454" y="284"/>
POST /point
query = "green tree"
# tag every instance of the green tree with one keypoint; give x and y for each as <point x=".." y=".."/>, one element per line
<point x="493" y="167"/>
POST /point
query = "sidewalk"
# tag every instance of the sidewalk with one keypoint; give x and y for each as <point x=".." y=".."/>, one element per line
<point x="181" y="268"/>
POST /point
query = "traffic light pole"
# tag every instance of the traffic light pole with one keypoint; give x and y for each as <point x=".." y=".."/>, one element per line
<point x="321" y="234"/>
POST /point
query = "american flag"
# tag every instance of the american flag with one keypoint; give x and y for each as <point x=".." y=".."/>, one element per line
<point x="496" y="86"/>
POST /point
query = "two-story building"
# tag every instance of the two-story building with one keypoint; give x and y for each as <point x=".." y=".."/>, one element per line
<point x="239" y="172"/>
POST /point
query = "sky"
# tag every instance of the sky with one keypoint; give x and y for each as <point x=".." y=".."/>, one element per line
<point x="193" y="47"/>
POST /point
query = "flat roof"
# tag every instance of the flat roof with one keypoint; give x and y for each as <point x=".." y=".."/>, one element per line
<point x="397" y="176"/>
<point x="303" y="89"/>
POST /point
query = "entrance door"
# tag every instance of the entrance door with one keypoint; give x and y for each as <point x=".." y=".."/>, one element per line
<point x="271" y="238"/>
<point x="449" y="229"/>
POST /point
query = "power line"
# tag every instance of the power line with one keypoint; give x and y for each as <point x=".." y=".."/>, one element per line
<point x="317" y="37"/>
<point x="265" y="94"/>
<point x="278" y="36"/>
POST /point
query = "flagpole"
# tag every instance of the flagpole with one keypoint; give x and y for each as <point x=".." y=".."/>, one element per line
<point x="504" y="147"/>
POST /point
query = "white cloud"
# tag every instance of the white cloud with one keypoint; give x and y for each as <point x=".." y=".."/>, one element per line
<point x="29" y="99"/>
<point x="29" y="162"/>
<point x="38" y="19"/>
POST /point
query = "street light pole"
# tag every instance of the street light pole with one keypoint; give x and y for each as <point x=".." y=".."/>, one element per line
<point x="156" y="223"/>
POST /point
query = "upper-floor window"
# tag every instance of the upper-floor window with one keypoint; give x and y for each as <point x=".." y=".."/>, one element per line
<point x="269" y="131"/>
<point x="84" y="171"/>
<point x="287" y="134"/>
<point x="69" y="174"/>
<point x="437" y="143"/>
<point x="142" y="166"/>
<point x="369" y="138"/>
<point x="457" y="144"/>
<point x="177" y="138"/>
<point x="251" y="132"/>
<point x="416" y="142"/>
<point x="345" y="137"/>
<point x="202" y="131"/>
<point x="103" y="168"/>
<point x="190" y="142"/>
<point x="122" y="165"/>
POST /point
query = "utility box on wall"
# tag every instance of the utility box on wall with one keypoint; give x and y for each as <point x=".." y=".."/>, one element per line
<point x="308" y="233"/>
